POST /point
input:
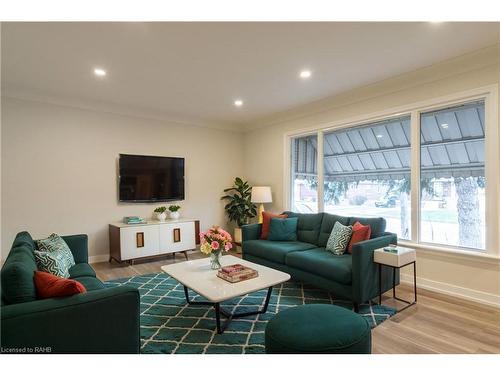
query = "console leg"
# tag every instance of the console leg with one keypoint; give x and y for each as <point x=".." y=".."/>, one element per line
<point x="186" y="255"/>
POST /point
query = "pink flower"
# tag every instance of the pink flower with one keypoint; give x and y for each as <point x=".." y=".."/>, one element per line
<point x="228" y="246"/>
<point x="215" y="245"/>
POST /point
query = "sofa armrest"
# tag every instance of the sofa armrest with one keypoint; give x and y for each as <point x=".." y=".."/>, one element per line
<point x="78" y="244"/>
<point x="100" y="321"/>
<point x="250" y="232"/>
<point x="365" y="275"/>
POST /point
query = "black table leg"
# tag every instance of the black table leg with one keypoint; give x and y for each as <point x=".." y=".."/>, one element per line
<point x="229" y="316"/>
<point x="379" y="284"/>
<point x="217" y="317"/>
<point x="394" y="282"/>
<point x="415" y="280"/>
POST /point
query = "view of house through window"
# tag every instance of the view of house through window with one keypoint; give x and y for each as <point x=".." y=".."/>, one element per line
<point x="452" y="206"/>
<point x="304" y="176"/>
<point x="367" y="173"/>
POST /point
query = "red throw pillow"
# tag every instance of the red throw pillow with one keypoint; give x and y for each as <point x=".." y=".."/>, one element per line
<point x="48" y="285"/>
<point x="266" y="222"/>
<point x="360" y="233"/>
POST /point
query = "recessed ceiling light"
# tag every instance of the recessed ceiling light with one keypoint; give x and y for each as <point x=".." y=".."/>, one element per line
<point x="444" y="126"/>
<point x="304" y="74"/>
<point x="379" y="135"/>
<point x="238" y="102"/>
<point x="99" y="72"/>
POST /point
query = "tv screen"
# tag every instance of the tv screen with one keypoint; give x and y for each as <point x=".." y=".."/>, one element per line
<point x="150" y="178"/>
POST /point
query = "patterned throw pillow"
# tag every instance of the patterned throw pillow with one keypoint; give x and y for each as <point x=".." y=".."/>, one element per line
<point x="339" y="239"/>
<point x="54" y="256"/>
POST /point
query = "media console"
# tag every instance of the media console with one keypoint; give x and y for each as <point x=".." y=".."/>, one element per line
<point x="152" y="239"/>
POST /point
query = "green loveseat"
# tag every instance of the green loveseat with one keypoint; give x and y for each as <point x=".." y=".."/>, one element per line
<point x="102" y="320"/>
<point x="353" y="277"/>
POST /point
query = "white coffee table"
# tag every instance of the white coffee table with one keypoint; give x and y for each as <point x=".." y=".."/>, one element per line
<point x="198" y="276"/>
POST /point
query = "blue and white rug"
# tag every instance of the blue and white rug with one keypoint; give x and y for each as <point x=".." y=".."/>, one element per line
<point x="170" y="325"/>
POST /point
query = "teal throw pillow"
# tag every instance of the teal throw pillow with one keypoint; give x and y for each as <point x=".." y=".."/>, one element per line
<point x="283" y="229"/>
<point x="54" y="256"/>
<point x="339" y="238"/>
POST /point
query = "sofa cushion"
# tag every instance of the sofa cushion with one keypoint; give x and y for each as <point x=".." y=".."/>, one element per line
<point x="323" y="263"/>
<point x="308" y="226"/>
<point x="283" y="229"/>
<point x="339" y="239"/>
<point x="17" y="274"/>
<point x="81" y="269"/>
<point x="266" y="222"/>
<point x="90" y="283"/>
<point x="50" y="286"/>
<point x="275" y="251"/>
<point x="327" y="224"/>
<point x="377" y="224"/>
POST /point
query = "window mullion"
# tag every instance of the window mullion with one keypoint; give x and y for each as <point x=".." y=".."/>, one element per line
<point x="319" y="170"/>
<point x="415" y="175"/>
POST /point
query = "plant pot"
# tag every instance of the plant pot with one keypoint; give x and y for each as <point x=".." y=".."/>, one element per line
<point x="175" y="215"/>
<point x="161" y="216"/>
<point x="237" y="235"/>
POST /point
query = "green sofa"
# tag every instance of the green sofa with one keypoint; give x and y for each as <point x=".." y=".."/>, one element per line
<point x="353" y="277"/>
<point x="102" y="320"/>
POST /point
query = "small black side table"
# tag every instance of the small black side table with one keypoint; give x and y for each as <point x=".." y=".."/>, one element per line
<point x="396" y="260"/>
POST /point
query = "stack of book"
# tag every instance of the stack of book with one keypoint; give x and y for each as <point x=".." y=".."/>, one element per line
<point x="133" y="220"/>
<point x="236" y="273"/>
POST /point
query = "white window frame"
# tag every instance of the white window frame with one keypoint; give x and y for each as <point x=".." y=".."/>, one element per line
<point x="492" y="163"/>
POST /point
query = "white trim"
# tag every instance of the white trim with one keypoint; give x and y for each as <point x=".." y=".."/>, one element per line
<point x="287" y="178"/>
<point x="98" y="258"/>
<point x="453" y="290"/>
<point x="451" y="252"/>
<point x="319" y="171"/>
<point x="487" y="93"/>
<point x="415" y="175"/>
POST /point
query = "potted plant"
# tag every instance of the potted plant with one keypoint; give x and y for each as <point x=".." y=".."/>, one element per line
<point x="161" y="213"/>
<point x="239" y="208"/>
<point x="174" y="211"/>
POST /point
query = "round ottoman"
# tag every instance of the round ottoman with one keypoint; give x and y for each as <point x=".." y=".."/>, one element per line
<point x="318" y="328"/>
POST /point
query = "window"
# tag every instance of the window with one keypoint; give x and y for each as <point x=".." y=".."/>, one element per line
<point x="304" y="176"/>
<point x="452" y="176"/>
<point x="425" y="170"/>
<point x="367" y="173"/>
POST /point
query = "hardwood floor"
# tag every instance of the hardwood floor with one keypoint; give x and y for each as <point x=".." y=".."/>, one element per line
<point x="437" y="324"/>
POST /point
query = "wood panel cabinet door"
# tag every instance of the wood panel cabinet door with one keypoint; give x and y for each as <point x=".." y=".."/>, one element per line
<point x="177" y="237"/>
<point x="138" y="242"/>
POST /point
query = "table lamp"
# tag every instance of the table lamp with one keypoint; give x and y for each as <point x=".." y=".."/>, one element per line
<point x="261" y="195"/>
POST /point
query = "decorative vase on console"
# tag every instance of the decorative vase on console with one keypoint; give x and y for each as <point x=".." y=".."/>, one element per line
<point x="174" y="212"/>
<point x="161" y="213"/>
<point x="213" y="242"/>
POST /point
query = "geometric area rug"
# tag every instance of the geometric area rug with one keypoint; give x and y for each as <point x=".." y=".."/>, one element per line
<point x="170" y="325"/>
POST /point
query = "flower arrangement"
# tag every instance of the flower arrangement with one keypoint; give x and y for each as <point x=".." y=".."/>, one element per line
<point x="215" y="239"/>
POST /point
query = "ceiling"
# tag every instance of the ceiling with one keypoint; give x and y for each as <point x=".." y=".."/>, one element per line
<point x="192" y="72"/>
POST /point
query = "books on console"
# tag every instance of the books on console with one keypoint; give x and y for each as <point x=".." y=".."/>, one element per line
<point x="236" y="273"/>
<point x="134" y="220"/>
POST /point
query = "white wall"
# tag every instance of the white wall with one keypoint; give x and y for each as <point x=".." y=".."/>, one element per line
<point x="467" y="276"/>
<point x="59" y="169"/>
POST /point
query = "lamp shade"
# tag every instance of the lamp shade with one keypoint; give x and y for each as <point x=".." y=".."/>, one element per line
<point x="261" y="194"/>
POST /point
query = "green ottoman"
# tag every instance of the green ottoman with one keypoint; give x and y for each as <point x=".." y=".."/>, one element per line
<point x="318" y="328"/>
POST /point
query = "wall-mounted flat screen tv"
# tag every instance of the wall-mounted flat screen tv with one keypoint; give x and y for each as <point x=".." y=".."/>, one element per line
<point x="150" y="178"/>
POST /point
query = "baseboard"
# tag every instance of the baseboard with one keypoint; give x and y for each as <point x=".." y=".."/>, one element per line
<point x="98" y="258"/>
<point x="453" y="290"/>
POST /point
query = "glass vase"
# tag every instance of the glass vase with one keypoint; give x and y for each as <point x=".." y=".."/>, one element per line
<point x="215" y="260"/>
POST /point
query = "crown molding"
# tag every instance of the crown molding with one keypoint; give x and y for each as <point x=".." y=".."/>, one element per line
<point x="114" y="109"/>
